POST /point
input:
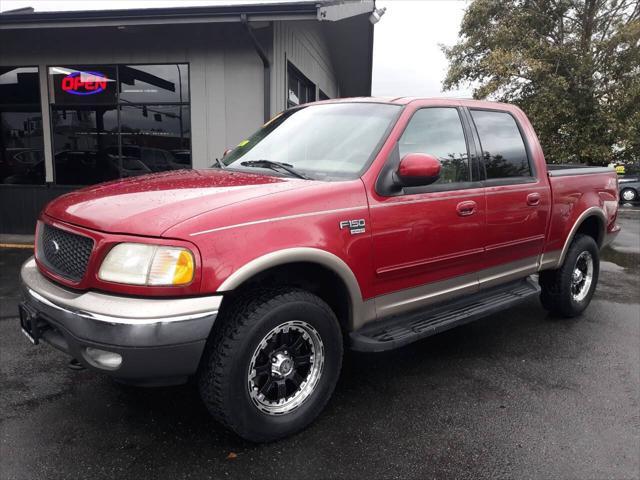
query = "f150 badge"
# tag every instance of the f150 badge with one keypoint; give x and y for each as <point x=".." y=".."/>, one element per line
<point x="355" y="226"/>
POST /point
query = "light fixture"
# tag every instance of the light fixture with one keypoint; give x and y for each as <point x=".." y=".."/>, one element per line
<point x="376" y="15"/>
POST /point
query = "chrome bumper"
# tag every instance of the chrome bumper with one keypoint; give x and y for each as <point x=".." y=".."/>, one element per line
<point x="157" y="338"/>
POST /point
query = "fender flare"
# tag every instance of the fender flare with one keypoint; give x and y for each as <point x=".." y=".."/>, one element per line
<point x="302" y="254"/>
<point x="589" y="212"/>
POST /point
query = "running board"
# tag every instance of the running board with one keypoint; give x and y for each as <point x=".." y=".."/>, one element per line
<point x="394" y="332"/>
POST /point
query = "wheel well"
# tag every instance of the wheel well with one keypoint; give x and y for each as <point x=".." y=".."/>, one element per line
<point x="314" y="278"/>
<point x="592" y="226"/>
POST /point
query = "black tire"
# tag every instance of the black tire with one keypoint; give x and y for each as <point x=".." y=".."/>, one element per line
<point x="556" y="285"/>
<point x="243" y="324"/>
<point x="633" y="195"/>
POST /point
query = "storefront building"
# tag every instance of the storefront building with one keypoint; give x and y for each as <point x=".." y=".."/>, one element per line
<point x="87" y="97"/>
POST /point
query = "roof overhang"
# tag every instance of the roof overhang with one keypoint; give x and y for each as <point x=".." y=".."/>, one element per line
<point x="300" y="10"/>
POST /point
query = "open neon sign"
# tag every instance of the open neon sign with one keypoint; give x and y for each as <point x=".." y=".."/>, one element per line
<point x="84" y="83"/>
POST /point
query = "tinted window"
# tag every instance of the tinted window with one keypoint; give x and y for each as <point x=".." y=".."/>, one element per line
<point x="118" y="121"/>
<point x="300" y="88"/>
<point x="151" y="133"/>
<point x="503" y="148"/>
<point x="19" y="85"/>
<point x="21" y="146"/>
<point x="154" y="83"/>
<point x="85" y="145"/>
<point x="438" y="132"/>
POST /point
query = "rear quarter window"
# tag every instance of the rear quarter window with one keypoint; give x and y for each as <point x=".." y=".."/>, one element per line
<point x="503" y="148"/>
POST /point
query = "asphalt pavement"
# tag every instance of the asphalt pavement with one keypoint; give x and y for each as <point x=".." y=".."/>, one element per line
<point x="516" y="395"/>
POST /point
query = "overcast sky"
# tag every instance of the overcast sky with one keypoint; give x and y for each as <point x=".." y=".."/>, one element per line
<point x="406" y="56"/>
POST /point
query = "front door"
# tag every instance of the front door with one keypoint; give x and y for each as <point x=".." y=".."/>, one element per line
<point x="428" y="241"/>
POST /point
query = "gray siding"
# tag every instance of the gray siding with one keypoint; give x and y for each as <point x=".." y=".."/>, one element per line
<point x="305" y="46"/>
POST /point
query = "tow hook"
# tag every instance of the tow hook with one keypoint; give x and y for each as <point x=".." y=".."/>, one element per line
<point x="74" y="364"/>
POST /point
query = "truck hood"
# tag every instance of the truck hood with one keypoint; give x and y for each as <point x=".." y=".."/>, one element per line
<point x="150" y="204"/>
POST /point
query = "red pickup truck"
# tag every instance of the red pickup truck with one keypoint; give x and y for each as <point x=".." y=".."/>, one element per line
<point x="366" y="223"/>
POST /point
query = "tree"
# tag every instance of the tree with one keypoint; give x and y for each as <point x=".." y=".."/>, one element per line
<point x="572" y="65"/>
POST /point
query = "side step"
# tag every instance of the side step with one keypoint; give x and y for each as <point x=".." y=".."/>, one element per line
<point x="394" y="332"/>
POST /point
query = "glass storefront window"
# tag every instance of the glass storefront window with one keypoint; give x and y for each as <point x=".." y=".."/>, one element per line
<point x="155" y="134"/>
<point x="82" y="139"/>
<point x="21" y="143"/>
<point x="154" y="83"/>
<point x="102" y="132"/>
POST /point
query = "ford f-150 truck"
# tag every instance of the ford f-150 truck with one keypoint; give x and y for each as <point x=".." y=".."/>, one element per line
<point x="365" y="223"/>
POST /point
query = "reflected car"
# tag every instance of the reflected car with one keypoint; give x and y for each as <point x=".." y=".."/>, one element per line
<point x="629" y="188"/>
<point x="157" y="159"/>
<point x="183" y="157"/>
<point x="18" y="161"/>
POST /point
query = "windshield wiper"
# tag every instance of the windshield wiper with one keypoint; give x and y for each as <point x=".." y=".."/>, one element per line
<point x="275" y="166"/>
<point x="220" y="164"/>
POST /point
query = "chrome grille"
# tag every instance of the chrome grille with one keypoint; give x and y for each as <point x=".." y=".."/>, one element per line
<point x="64" y="253"/>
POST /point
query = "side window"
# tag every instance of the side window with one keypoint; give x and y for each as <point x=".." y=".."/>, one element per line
<point x="438" y="132"/>
<point x="503" y="149"/>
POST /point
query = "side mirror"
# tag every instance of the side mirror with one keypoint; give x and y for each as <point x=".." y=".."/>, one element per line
<point x="417" y="169"/>
<point x="227" y="152"/>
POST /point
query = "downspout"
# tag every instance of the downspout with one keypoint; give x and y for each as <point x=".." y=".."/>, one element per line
<point x="266" y="67"/>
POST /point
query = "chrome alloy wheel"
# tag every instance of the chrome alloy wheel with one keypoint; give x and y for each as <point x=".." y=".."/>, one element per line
<point x="628" y="195"/>
<point x="582" y="276"/>
<point x="285" y="367"/>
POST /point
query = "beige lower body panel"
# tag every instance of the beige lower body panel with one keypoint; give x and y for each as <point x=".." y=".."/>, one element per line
<point x="415" y="298"/>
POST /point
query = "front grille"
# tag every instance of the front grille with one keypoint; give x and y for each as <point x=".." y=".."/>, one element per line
<point x="64" y="253"/>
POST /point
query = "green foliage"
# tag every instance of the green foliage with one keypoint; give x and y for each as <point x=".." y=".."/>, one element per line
<point x="572" y="65"/>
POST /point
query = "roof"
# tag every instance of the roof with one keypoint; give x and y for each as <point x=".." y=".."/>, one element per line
<point x="435" y="101"/>
<point x="322" y="10"/>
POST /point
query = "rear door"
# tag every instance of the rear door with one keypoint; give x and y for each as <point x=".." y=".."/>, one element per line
<point x="518" y="198"/>
<point x="428" y="241"/>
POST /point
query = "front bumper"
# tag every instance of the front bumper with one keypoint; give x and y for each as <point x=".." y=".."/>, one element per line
<point x="160" y="341"/>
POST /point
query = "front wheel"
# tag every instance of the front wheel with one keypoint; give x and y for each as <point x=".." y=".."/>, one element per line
<point x="272" y="365"/>
<point x="568" y="290"/>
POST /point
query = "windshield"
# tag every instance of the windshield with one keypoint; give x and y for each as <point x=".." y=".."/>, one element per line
<point x="325" y="142"/>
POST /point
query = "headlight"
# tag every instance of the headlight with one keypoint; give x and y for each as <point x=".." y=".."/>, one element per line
<point x="141" y="264"/>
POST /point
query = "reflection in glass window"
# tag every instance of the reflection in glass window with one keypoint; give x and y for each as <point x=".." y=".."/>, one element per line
<point x="82" y="140"/>
<point x="21" y="145"/>
<point x="330" y="141"/>
<point x="503" y="148"/>
<point x="154" y="83"/>
<point x="156" y="135"/>
<point x="300" y="88"/>
<point x="118" y="121"/>
<point x="438" y="132"/>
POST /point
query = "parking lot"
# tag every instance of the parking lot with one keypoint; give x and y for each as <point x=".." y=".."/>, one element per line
<point x="516" y="395"/>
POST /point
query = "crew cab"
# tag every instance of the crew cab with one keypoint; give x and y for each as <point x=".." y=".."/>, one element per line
<point x="359" y="223"/>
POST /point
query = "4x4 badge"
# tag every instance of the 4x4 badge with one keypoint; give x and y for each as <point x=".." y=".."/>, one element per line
<point x="355" y="226"/>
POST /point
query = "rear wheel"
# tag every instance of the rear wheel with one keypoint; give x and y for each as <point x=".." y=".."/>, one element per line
<point x="273" y="364"/>
<point x="568" y="290"/>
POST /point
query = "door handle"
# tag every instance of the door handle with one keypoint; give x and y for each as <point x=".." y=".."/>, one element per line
<point x="467" y="208"/>
<point x="533" y="199"/>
